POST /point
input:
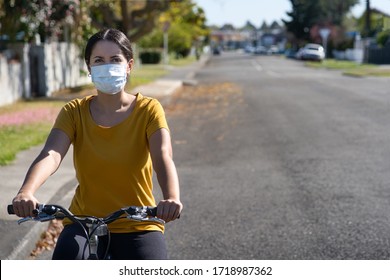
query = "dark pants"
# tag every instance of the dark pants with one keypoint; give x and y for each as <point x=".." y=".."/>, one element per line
<point x="149" y="245"/>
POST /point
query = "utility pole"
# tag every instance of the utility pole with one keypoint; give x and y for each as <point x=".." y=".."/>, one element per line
<point x="368" y="18"/>
<point x="367" y="31"/>
<point x="165" y="42"/>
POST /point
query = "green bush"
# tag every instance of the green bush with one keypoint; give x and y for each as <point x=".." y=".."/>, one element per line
<point x="383" y="38"/>
<point x="150" y="57"/>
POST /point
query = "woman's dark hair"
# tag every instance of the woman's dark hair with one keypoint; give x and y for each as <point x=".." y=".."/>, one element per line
<point x="112" y="35"/>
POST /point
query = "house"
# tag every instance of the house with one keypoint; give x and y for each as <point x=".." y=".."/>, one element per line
<point x="231" y="38"/>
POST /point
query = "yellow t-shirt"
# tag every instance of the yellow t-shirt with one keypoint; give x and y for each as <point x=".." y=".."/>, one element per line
<point x="113" y="164"/>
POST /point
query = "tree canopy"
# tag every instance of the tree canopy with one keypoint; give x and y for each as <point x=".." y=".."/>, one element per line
<point x="185" y="23"/>
<point x="307" y="13"/>
<point x="23" y="19"/>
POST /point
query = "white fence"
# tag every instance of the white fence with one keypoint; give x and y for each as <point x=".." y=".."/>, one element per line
<point x="40" y="70"/>
<point x="356" y="55"/>
<point x="10" y="81"/>
<point x="64" y="67"/>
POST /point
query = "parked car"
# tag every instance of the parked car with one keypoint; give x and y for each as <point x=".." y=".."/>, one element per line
<point x="260" y="50"/>
<point x="313" y="52"/>
<point x="217" y="50"/>
<point x="273" y="50"/>
<point x="290" y="53"/>
<point x="249" y="49"/>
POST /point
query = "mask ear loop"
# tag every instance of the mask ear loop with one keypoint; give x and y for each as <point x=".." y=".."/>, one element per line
<point x="89" y="71"/>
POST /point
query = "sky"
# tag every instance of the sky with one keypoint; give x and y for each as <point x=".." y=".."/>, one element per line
<point x="238" y="12"/>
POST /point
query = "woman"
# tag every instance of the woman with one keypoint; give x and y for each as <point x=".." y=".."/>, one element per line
<point x="118" y="140"/>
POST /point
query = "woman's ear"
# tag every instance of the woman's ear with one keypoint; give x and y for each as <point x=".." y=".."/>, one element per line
<point x="130" y="65"/>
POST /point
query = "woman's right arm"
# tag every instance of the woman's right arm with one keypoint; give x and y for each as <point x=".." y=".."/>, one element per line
<point x="47" y="162"/>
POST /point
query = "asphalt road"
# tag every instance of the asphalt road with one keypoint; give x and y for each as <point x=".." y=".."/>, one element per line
<point x="280" y="161"/>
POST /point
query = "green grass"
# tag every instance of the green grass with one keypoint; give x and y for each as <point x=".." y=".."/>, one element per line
<point x="14" y="139"/>
<point x="352" y="68"/>
<point x="334" y="64"/>
<point x="368" y="71"/>
<point x="17" y="137"/>
<point x="183" y="61"/>
<point x="145" y="74"/>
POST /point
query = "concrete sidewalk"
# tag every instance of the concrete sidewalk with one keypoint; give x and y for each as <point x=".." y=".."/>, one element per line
<point x="17" y="241"/>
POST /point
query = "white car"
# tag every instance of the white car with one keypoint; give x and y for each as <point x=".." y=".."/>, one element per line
<point x="311" y="52"/>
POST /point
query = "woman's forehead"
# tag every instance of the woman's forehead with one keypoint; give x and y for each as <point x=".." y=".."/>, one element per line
<point x="106" y="48"/>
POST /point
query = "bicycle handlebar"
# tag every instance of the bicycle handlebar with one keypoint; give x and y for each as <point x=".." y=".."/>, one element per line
<point x="48" y="212"/>
<point x="93" y="227"/>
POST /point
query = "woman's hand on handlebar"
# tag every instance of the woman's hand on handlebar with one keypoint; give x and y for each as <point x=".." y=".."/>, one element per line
<point x="24" y="203"/>
<point x="169" y="209"/>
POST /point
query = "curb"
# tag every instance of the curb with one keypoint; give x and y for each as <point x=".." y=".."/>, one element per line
<point x="159" y="88"/>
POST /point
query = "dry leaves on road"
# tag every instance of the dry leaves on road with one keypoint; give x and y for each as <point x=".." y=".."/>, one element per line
<point x="207" y="104"/>
<point x="204" y="99"/>
<point x="48" y="238"/>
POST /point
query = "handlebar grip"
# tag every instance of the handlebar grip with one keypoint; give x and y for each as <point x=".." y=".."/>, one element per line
<point x="10" y="209"/>
<point x="152" y="211"/>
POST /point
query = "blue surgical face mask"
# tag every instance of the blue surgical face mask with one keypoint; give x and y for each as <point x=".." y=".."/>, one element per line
<point x="109" y="78"/>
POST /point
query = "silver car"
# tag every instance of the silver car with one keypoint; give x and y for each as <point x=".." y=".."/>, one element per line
<point x="313" y="52"/>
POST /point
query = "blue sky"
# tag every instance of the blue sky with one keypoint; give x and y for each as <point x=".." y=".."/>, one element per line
<point x="237" y="12"/>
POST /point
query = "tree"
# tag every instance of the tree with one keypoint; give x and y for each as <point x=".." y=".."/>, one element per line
<point x="303" y="16"/>
<point x="187" y="24"/>
<point x="30" y="17"/>
<point x="334" y="11"/>
<point x="135" y="18"/>
<point x="307" y="13"/>
<point x="375" y="25"/>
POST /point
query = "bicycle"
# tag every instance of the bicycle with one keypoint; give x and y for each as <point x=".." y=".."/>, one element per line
<point x="97" y="227"/>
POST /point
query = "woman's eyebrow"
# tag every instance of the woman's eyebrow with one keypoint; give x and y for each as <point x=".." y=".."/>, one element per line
<point x="113" y="56"/>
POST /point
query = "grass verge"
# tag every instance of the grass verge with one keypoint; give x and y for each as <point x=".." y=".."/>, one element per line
<point x="145" y="74"/>
<point x="352" y="68"/>
<point x="14" y="139"/>
<point x="25" y="124"/>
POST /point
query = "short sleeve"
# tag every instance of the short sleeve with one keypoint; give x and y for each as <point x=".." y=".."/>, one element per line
<point x="66" y="120"/>
<point x="157" y="119"/>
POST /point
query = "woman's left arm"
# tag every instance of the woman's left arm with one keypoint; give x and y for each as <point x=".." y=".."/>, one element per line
<point x="161" y="152"/>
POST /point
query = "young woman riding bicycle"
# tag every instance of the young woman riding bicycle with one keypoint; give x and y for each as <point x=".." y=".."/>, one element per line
<point x="118" y="140"/>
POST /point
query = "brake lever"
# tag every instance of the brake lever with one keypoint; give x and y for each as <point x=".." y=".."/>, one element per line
<point x="25" y="219"/>
<point x="142" y="214"/>
<point x="40" y="216"/>
<point x="142" y="218"/>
